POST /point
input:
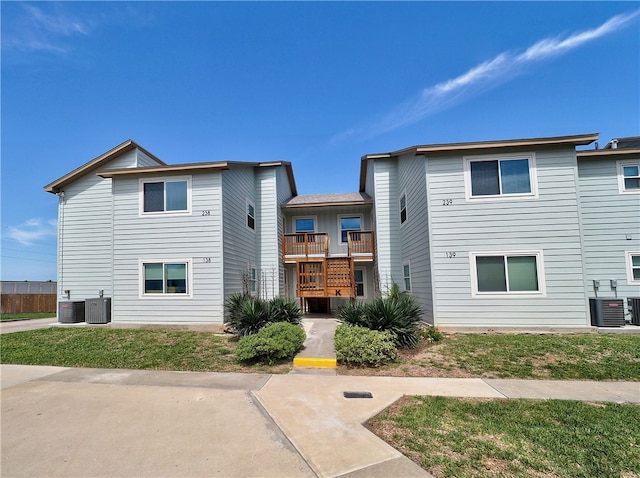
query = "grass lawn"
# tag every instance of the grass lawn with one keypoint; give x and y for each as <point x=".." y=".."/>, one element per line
<point x="544" y="356"/>
<point x="514" y="438"/>
<point x="31" y="315"/>
<point x="127" y="348"/>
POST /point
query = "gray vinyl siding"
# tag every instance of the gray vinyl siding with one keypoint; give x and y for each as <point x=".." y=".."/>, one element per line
<point x="165" y="238"/>
<point x="85" y="234"/>
<point x="240" y="242"/>
<point x="269" y="260"/>
<point x="549" y="224"/>
<point x="388" y="255"/>
<point x="283" y="193"/>
<point x="144" y="160"/>
<point x="608" y="218"/>
<point x="414" y="233"/>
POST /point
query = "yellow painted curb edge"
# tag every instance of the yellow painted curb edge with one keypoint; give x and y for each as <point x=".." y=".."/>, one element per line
<point x="314" y="362"/>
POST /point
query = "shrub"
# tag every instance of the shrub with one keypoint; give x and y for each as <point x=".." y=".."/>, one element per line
<point x="247" y="314"/>
<point x="362" y="346"/>
<point x="270" y="344"/>
<point x="430" y="334"/>
<point x="399" y="313"/>
<point x="282" y="309"/>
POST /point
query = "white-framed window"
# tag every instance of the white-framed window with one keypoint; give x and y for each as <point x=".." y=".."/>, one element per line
<point x="165" y="196"/>
<point x="406" y="276"/>
<point x="515" y="273"/>
<point x="304" y="224"/>
<point x="348" y="223"/>
<point x="253" y="280"/>
<point x="165" y="278"/>
<point x="633" y="266"/>
<point x="359" y="280"/>
<point x="251" y="215"/>
<point x="491" y="177"/>
<point x="403" y="208"/>
<point x="629" y="176"/>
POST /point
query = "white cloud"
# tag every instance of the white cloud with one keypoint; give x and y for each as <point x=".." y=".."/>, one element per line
<point x="33" y="230"/>
<point x="40" y="28"/>
<point x="482" y="77"/>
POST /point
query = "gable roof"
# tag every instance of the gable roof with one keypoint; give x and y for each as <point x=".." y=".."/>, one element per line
<point x="57" y="185"/>
<point x="334" y="199"/>
<point x="196" y="167"/>
<point x="575" y="140"/>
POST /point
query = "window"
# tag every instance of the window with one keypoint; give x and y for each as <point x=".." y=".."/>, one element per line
<point x="403" y="208"/>
<point x="633" y="267"/>
<point x="629" y="176"/>
<point x="406" y="276"/>
<point x="510" y="273"/>
<point x="304" y="224"/>
<point x="252" y="280"/>
<point x="165" y="196"/>
<point x="495" y="177"/>
<point x="165" y="278"/>
<point x="348" y="223"/>
<point x="359" y="281"/>
<point x="251" y="216"/>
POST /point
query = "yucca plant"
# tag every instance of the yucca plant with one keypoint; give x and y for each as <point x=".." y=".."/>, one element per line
<point x="282" y="309"/>
<point x="352" y="314"/>
<point x="246" y="314"/>
<point x="399" y="314"/>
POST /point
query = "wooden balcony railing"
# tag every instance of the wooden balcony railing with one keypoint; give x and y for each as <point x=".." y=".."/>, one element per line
<point x="306" y="244"/>
<point x="360" y="243"/>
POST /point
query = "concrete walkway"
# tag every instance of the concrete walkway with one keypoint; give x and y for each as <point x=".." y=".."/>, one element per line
<point x="22" y="325"/>
<point x="318" y="349"/>
<point x="93" y="422"/>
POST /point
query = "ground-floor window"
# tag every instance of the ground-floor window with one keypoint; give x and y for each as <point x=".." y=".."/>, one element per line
<point x="507" y="273"/>
<point x="359" y="282"/>
<point x="406" y="276"/>
<point x="165" y="278"/>
<point x="633" y="267"/>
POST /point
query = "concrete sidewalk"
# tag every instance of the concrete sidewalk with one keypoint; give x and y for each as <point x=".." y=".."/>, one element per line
<point x="93" y="422"/>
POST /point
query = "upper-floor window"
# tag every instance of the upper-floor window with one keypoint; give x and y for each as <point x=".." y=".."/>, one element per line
<point x="349" y="223"/>
<point x="304" y="224"/>
<point x="165" y="196"/>
<point x="629" y="176"/>
<point x="491" y="177"/>
<point x="251" y="216"/>
<point x="507" y="273"/>
<point x="403" y="208"/>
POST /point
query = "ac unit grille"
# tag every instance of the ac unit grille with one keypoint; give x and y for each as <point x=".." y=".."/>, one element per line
<point x="606" y="312"/>
<point x="98" y="311"/>
<point x="634" y="308"/>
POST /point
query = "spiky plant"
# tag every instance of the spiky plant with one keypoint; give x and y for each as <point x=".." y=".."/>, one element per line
<point x="246" y="314"/>
<point x="399" y="314"/>
<point x="352" y="314"/>
<point x="282" y="309"/>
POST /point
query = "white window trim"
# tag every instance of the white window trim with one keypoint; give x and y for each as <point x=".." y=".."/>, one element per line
<point x="340" y="217"/>
<point x="293" y="222"/>
<point x="533" y="177"/>
<point x="627" y="258"/>
<point x="253" y="281"/>
<point x="407" y="263"/>
<point x="248" y="203"/>
<point x="619" y="166"/>
<point x="163" y="296"/>
<point x="143" y="181"/>
<point x="542" y="292"/>
<point x="406" y="208"/>
<point x="364" y="282"/>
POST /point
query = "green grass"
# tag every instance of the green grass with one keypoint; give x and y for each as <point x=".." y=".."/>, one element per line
<point x="527" y="356"/>
<point x="31" y="315"/>
<point x="515" y="438"/>
<point x="583" y="356"/>
<point x="126" y="348"/>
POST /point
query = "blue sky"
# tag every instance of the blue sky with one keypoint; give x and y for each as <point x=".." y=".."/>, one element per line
<point x="318" y="84"/>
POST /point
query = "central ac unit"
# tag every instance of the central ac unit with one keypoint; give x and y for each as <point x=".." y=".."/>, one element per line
<point x="633" y="304"/>
<point x="98" y="311"/>
<point x="606" y="312"/>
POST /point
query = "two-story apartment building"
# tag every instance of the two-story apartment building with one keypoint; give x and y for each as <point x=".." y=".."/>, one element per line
<point x="488" y="234"/>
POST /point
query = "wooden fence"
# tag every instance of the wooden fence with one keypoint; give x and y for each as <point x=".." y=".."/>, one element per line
<point x="29" y="303"/>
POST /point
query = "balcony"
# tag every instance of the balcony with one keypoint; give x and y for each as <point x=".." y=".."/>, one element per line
<point x="315" y="245"/>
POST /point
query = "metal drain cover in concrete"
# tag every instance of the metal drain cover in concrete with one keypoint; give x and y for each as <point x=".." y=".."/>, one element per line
<point x="357" y="394"/>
